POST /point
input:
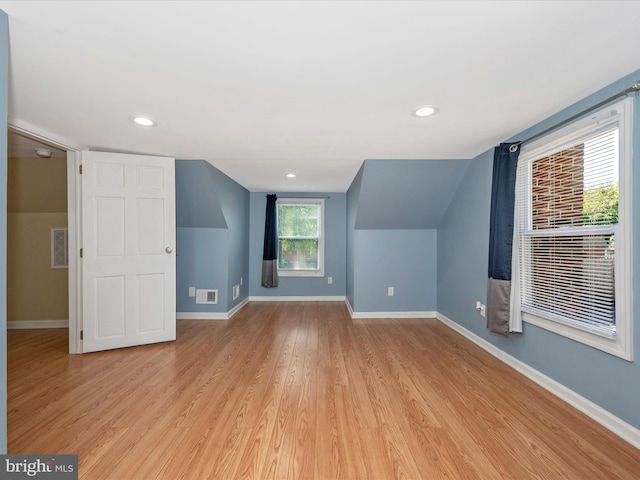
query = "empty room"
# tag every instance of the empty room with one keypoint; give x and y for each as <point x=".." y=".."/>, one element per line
<point x="320" y="240"/>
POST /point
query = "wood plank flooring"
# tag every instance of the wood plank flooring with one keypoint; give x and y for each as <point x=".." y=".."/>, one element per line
<point x="299" y="391"/>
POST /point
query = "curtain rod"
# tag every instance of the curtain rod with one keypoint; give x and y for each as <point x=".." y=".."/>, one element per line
<point x="633" y="88"/>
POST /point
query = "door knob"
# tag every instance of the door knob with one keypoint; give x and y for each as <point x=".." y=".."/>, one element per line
<point x="168" y="249"/>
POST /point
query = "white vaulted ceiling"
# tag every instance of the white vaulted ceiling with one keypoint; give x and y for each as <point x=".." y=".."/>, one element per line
<point x="260" y="89"/>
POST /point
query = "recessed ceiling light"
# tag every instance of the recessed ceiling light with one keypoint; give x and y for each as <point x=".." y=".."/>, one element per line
<point x="425" y="111"/>
<point x="291" y="175"/>
<point x="144" y="121"/>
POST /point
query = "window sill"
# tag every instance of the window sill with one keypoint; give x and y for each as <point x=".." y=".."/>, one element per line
<point x="300" y="273"/>
<point x="612" y="344"/>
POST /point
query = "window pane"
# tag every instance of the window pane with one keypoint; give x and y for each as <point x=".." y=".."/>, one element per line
<point x="298" y="220"/>
<point x="570" y="276"/>
<point x="298" y="254"/>
<point x="577" y="186"/>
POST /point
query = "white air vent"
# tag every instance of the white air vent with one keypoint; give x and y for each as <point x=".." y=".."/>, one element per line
<point x="236" y="291"/>
<point x="59" y="248"/>
<point x="206" y="296"/>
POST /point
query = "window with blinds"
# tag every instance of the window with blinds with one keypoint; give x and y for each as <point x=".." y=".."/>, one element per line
<point x="567" y="228"/>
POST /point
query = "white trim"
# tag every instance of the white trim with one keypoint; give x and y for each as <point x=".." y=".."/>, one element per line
<point x="388" y="314"/>
<point x="32" y="132"/>
<point x="605" y="418"/>
<point x="74" y="213"/>
<point x="298" y="299"/>
<point x="237" y="308"/>
<point x="34" y="324"/>
<point x="392" y="314"/>
<point x="346" y="300"/>
<point x="202" y="316"/>
<point x="211" y="315"/>
<point x="301" y="273"/>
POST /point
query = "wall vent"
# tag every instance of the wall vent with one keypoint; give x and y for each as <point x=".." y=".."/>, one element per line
<point x="236" y="291"/>
<point x="59" y="248"/>
<point x="206" y="296"/>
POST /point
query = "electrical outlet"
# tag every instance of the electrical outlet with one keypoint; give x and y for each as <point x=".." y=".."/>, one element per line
<point x="192" y="291"/>
<point x="483" y="312"/>
<point x="330" y="280"/>
<point x="390" y="291"/>
<point x="240" y="280"/>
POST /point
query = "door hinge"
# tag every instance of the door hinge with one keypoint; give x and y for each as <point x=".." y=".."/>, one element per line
<point x="81" y="334"/>
<point x="80" y="166"/>
<point x="81" y="253"/>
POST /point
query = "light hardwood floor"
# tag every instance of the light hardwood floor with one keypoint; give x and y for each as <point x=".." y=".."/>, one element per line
<point x="299" y="391"/>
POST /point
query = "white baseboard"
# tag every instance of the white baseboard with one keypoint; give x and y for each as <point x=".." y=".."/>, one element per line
<point x="298" y="299"/>
<point x="393" y="314"/>
<point x="202" y="316"/>
<point x="237" y="308"/>
<point x="605" y="418"/>
<point x="388" y="314"/>
<point x="31" y="324"/>
<point x="211" y="315"/>
<point x="346" y="301"/>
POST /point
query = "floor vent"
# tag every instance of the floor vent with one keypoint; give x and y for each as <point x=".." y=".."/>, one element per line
<point x="236" y="291"/>
<point x="206" y="296"/>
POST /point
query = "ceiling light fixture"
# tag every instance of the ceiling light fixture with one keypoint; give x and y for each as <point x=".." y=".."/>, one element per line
<point x="144" y="121"/>
<point x="43" y="153"/>
<point x="291" y="175"/>
<point x="425" y="111"/>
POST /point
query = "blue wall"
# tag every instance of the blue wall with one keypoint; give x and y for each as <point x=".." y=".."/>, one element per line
<point x="394" y="208"/>
<point x="463" y="243"/>
<point x="353" y="198"/>
<point x="406" y="194"/>
<point x="4" y="81"/>
<point x="403" y="259"/>
<point x="202" y="261"/>
<point x="198" y="203"/>
<point x="335" y="218"/>
<point x="212" y="238"/>
<point x="234" y="201"/>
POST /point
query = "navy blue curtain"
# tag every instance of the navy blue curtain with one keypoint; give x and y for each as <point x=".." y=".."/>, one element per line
<point x="270" y="250"/>
<point x="503" y="191"/>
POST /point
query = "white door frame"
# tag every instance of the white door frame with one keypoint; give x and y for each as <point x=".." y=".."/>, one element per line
<point x="74" y="223"/>
<point x="73" y="212"/>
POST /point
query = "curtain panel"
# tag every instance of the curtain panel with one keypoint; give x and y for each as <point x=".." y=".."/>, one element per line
<point x="270" y="250"/>
<point x="503" y="186"/>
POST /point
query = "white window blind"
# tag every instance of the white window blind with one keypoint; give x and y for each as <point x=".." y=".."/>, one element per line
<point x="567" y="222"/>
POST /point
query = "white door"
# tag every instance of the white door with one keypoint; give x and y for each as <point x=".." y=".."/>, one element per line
<point x="128" y="250"/>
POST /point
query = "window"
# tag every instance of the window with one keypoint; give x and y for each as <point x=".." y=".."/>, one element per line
<point x="572" y="241"/>
<point x="300" y="237"/>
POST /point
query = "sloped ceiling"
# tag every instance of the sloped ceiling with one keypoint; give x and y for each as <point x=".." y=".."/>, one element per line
<point x="197" y="200"/>
<point x="407" y="194"/>
<point x="263" y="88"/>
